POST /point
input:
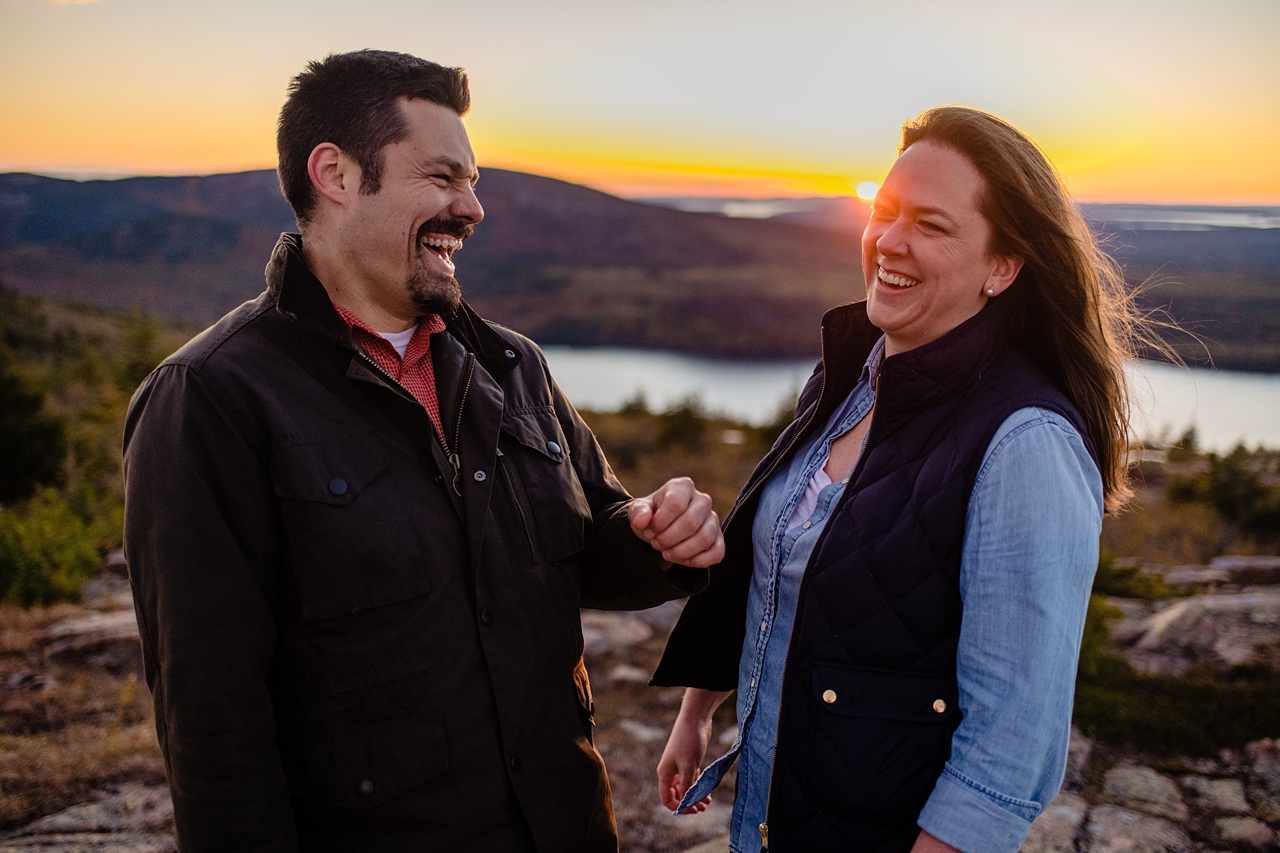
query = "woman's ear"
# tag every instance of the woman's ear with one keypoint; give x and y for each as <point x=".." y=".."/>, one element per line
<point x="333" y="174"/>
<point x="1004" y="270"/>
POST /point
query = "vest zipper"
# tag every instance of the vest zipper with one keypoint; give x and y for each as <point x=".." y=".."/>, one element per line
<point x="454" y="459"/>
<point x="786" y="661"/>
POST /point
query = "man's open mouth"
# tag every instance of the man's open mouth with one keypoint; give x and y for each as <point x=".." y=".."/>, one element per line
<point x="441" y="245"/>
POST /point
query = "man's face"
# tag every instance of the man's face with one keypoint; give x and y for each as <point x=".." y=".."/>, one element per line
<point x="402" y="238"/>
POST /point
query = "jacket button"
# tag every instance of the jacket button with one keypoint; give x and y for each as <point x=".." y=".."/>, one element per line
<point x="939" y="706"/>
<point x="510" y="353"/>
<point x="479" y="476"/>
<point x="486" y="616"/>
<point x="553" y="447"/>
<point x="366" y="787"/>
<point x="515" y="761"/>
<point x="829" y="696"/>
<point x="338" y="486"/>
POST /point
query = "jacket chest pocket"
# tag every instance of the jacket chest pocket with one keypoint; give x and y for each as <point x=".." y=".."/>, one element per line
<point x="349" y="542"/>
<point x="557" y="515"/>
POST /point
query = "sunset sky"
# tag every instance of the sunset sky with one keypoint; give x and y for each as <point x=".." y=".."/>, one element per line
<point x="1163" y="101"/>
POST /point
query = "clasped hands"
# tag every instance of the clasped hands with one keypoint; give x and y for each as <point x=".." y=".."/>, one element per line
<point x="678" y="521"/>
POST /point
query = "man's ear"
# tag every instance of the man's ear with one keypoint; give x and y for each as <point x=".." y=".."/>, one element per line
<point x="333" y="174"/>
<point x="1003" y="272"/>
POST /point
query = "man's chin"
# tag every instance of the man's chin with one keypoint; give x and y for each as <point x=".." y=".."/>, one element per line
<point x="436" y="296"/>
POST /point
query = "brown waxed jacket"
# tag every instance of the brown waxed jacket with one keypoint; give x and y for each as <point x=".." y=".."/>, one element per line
<point x="354" y="643"/>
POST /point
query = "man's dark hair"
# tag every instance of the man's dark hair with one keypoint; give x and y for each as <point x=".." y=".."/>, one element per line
<point x="351" y="100"/>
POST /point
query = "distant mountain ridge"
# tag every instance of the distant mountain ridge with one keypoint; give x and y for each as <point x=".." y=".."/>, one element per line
<point x="571" y="265"/>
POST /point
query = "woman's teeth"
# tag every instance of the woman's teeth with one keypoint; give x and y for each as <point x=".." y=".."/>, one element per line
<point x="896" y="280"/>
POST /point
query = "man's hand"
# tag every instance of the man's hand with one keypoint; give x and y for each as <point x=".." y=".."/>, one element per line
<point x="678" y="521"/>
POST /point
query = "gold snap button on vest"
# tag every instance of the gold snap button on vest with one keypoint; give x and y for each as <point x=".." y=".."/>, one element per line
<point x="829" y="696"/>
<point x="939" y="706"/>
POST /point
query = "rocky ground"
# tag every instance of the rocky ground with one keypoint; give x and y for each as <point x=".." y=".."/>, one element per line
<point x="80" y="771"/>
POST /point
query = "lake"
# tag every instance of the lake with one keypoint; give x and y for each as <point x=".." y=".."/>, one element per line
<point x="1225" y="407"/>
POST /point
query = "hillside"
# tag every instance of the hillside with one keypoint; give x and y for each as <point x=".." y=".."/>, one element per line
<point x="570" y="265"/>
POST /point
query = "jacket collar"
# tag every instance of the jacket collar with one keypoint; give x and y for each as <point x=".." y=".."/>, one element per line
<point x="301" y="297"/>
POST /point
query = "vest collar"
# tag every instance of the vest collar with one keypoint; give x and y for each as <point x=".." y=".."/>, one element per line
<point x="932" y="372"/>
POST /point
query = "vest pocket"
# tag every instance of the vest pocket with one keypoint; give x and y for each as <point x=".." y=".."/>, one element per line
<point x="349" y="543"/>
<point x="878" y="739"/>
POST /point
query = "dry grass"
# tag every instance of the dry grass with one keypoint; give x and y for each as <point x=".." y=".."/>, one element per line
<point x="67" y="727"/>
<point x="44" y="773"/>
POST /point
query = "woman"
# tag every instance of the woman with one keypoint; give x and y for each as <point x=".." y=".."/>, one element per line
<point x="914" y="556"/>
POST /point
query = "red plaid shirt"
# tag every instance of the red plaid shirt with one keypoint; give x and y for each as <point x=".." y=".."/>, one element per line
<point x="415" y="371"/>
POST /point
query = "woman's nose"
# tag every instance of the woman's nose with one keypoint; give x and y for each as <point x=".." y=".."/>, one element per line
<point x="892" y="240"/>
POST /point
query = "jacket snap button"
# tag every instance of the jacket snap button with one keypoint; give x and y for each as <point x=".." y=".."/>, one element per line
<point x="939" y="706"/>
<point x="515" y="761"/>
<point x="486" y="616"/>
<point x="479" y="475"/>
<point x="510" y="354"/>
<point x="553" y="447"/>
<point x="366" y="787"/>
<point x="829" y="696"/>
<point x="338" y="486"/>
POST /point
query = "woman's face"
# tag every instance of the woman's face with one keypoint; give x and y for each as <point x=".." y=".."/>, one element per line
<point x="924" y="253"/>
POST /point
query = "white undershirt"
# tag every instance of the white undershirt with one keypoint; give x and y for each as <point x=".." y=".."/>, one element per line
<point x="399" y="340"/>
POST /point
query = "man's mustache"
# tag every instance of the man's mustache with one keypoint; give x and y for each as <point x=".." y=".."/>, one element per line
<point x="445" y="224"/>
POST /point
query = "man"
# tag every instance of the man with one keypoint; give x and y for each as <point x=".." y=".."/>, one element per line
<point x="360" y="520"/>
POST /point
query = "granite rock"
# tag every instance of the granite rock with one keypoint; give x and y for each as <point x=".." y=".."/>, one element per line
<point x="1263" y="757"/>
<point x="1112" y="829"/>
<point x="1247" y="831"/>
<point x="1216" y="795"/>
<point x="1055" y="830"/>
<point x="1145" y="790"/>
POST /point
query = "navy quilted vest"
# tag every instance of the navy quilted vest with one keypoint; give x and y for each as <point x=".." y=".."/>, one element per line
<point x="869" y="694"/>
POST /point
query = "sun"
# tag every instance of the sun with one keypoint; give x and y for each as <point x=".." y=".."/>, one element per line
<point x="867" y="190"/>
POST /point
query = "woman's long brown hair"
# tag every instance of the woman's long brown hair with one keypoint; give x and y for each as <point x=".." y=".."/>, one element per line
<point x="1069" y="310"/>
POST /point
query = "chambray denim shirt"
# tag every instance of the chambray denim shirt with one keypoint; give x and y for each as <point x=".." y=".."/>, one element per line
<point x="1030" y="550"/>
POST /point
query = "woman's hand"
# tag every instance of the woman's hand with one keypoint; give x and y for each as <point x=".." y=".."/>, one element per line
<point x="687" y="748"/>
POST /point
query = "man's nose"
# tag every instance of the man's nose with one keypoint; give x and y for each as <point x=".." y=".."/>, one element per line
<point x="467" y="207"/>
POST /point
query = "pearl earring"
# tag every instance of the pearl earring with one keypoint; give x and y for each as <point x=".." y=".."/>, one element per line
<point x="991" y="291"/>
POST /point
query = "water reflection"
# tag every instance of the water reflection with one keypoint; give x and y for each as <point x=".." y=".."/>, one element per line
<point x="1224" y="407"/>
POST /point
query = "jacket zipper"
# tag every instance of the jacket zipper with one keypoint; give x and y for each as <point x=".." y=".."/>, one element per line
<point x="454" y="459"/>
<point x="452" y="454"/>
<point x="786" y="661"/>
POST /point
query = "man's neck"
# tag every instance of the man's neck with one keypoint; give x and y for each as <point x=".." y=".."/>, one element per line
<point x="345" y="289"/>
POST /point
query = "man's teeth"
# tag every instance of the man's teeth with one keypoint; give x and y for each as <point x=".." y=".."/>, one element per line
<point x="453" y="244"/>
<point x="897" y="280"/>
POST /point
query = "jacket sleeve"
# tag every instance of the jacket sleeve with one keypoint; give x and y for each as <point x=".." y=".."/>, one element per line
<point x="202" y="547"/>
<point x="620" y="571"/>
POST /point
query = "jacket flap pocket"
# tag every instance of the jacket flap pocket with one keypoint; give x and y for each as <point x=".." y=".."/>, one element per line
<point x="364" y="768"/>
<point x="885" y="694"/>
<point x="538" y="430"/>
<point x="332" y="471"/>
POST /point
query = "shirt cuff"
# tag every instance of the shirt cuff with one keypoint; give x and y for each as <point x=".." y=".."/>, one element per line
<point x="976" y="819"/>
